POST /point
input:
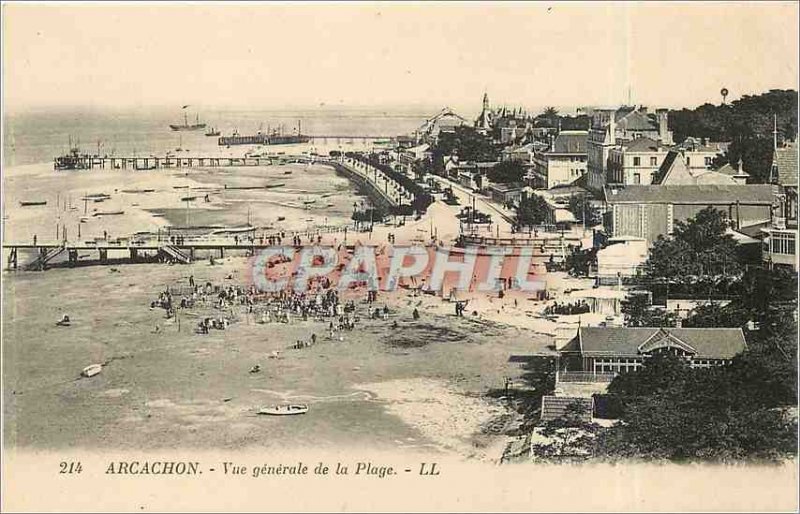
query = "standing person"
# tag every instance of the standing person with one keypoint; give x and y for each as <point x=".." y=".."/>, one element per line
<point x="191" y="281"/>
<point x="34" y="239"/>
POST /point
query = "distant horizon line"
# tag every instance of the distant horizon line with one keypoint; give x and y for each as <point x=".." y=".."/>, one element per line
<point x="422" y="108"/>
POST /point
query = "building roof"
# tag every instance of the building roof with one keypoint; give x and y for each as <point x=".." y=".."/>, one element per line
<point x="571" y="141"/>
<point x="733" y="170"/>
<point x="666" y="166"/>
<point x="645" y="144"/>
<point x="674" y="171"/>
<point x="785" y="160"/>
<point x="755" y="231"/>
<point x="709" y="343"/>
<point x="506" y="188"/>
<point x="636" y="120"/>
<point x="419" y="148"/>
<point x="692" y="144"/>
<point x="702" y="194"/>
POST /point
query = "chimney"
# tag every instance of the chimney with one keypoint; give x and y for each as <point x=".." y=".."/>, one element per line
<point x="663" y="131"/>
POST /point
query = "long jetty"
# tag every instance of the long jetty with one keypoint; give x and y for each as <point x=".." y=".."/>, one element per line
<point x="86" y="162"/>
<point x="174" y="246"/>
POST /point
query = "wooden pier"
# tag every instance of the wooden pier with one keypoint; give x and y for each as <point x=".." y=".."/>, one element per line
<point x="89" y="162"/>
<point x="177" y="248"/>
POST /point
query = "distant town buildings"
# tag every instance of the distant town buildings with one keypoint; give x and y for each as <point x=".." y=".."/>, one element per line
<point x="564" y="162"/>
<point x="650" y="211"/>
<point x="635" y="162"/>
<point x="614" y="127"/>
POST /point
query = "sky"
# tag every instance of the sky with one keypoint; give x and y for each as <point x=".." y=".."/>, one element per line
<point x="392" y="55"/>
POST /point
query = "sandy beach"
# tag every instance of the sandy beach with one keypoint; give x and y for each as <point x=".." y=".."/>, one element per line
<point x="419" y="385"/>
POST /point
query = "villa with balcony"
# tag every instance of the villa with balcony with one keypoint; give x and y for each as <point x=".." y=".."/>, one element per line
<point x="598" y="354"/>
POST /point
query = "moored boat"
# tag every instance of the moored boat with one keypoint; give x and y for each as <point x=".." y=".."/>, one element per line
<point x="33" y="202"/>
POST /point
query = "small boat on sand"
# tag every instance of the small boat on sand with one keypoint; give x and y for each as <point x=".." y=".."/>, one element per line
<point x="92" y="370"/>
<point x="32" y="203"/>
<point x="97" y="197"/>
<point x="108" y="213"/>
<point x="284" y="410"/>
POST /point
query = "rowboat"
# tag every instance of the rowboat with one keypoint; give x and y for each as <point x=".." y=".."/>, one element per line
<point x="29" y="204"/>
<point x="108" y="213"/>
<point x="92" y="370"/>
<point x="284" y="410"/>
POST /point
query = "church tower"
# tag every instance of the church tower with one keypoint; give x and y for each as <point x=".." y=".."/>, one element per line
<point x="484" y="120"/>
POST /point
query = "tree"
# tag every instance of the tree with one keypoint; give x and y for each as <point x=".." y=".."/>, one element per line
<point x="569" y="435"/>
<point x="671" y="411"/>
<point x="465" y="142"/>
<point x="746" y="123"/>
<point x="639" y="313"/>
<point x="581" y="207"/>
<point x="551" y="115"/>
<point x="699" y="254"/>
<point x="506" y="172"/>
<point x="531" y="211"/>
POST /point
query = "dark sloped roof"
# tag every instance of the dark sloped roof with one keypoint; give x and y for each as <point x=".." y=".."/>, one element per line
<point x="709" y="343"/>
<point x="694" y="194"/>
<point x="786" y="161"/>
<point x="645" y="144"/>
<point x="571" y="141"/>
<point x="666" y="165"/>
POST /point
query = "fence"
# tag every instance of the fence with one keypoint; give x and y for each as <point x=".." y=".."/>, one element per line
<point x="584" y="377"/>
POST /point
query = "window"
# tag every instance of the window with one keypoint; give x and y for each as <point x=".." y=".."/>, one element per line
<point x="782" y="243"/>
<point x="653" y="161"/>
<point x="637" y="161"/>
<point x="637" y="179"/>
<point x="688" y="161"/>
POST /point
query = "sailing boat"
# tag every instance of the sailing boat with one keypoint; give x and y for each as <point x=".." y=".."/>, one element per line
<point x="213" y="132"/>
<point x="195" y="126"/>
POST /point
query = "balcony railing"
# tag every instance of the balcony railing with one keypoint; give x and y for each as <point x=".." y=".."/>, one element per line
<point x="584" y="377"/>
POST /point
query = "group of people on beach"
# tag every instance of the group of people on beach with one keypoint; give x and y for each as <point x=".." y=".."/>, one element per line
<point x="320" y="302"/>
<point x="579" y="307"/>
